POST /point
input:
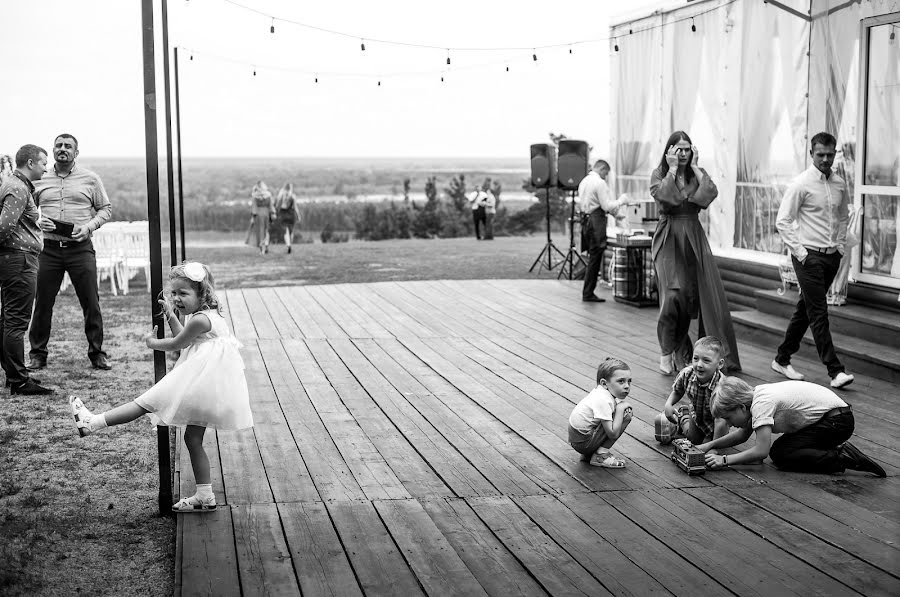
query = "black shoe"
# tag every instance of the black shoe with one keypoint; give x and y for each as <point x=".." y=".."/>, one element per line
<point x="101" y="363"/>
<point x="289" y="250"/>
<point x="857" y="461"/>
<point x="37" y="364"/>
<point x="34" y="379"/>
<point x="592" y="299"/>
<point x="30" y="388"/>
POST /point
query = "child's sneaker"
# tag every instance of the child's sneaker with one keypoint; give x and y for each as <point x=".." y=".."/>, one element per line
<point x="195" y="504"/>
<point x="81" y="416"/>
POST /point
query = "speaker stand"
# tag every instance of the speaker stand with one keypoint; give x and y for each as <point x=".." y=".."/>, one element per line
<point x="568" y="264"/>
<point x="548" y="249"/>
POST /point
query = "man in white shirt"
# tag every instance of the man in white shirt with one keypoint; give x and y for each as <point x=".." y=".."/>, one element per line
<point x="818" y="202"/>
<point x="490" y="209"/>
<point x="595" y="202"/>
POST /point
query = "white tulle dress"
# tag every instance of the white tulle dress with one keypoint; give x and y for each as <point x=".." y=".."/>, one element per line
<point x="206" y="387"/>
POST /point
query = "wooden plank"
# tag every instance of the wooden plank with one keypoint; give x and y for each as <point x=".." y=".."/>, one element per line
<point x="209" y="560"/>
<point x="588" y="547"/>
<point x="326" y="323"/>
<point x="393" y="319"/>
<point x="296" y="308"/>
<point x="243" y="472"/>
<point x="671" y="567"/>
<point x="428" y="553"/>
<point x="345" y="318"/>
<point x="387" y="383"/>
<point x="417" y="477"/>
<point x="330" y="474"/>
<point x="320" y="563"/>
<point x="497" y="570"/>
<point x="264" y="561"/>
<point x="421" y="312"/>
<point x="284" y="467"/>
<point x="701" y="534"/>
<point x="556" y="570"/>
<point x="241" y="321"/>
<point x="281" y="317"/>
<point x="379" y="566"/>
<point x="799" y="531"/>
<point x="259" y="311"/>
<point x="369" y="468"/>
<point x="339" y="300"/>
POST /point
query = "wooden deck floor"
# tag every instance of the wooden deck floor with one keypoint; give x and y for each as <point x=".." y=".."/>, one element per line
<point x="410" y="439"/>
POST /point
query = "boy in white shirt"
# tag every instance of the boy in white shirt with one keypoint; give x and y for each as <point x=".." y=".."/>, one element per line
<point x="815" y="421"/>
<point x="602" y="416"/>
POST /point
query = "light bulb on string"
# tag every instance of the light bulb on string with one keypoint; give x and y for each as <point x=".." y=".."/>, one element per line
<point x="693" y="27"/>
<point x="570" y="49"/>
<point x="317" y="79"/>
<point x="362" y="45"/>
<point x="533" y="55"/>
<point x="507" y="69"/>
<point x="616" y="46"/>
<point x="254" y="71"/>
<point x="893" y="35"/>
<point x="448" y="56"/>
<point x="191" y="57"/>
<point x="272" y="26"/>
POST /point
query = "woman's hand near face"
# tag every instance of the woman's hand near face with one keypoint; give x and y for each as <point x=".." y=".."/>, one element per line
<point x="672" y="159"/>
<point x="696" y="156"/>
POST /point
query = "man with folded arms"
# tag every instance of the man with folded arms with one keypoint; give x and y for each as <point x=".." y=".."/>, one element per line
<point x="817" y="201"/>
<point x="20" y="244"/>
<point x="69" y="194"/>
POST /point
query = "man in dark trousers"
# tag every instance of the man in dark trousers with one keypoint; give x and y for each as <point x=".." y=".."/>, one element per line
<point x="21" y="241"/>
<point x="595" y="201"/>
<point x="73" y="195"/>
<point x="818" y="202"/>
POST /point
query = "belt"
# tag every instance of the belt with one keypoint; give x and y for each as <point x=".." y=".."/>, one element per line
<point x="840" y="410"/>
<point x="823" y="250"/>
<point x="62" y="244"/>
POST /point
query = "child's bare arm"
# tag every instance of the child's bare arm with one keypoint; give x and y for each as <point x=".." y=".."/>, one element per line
<point x="720" y="429"/>
<point x="757" y="453"/>
<point x="673" y="399"/>
<point x="738" y="436"/>
<point x="621" y="417"/>
<point x="171" y="316"/>
<point x="195" y="326"/>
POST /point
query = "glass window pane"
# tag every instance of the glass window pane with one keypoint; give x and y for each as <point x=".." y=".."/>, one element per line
<point x="880" y="251"/>
<point x="882" y="165"/>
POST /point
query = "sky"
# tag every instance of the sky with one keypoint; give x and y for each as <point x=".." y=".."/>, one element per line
<point x="77" y="67"/>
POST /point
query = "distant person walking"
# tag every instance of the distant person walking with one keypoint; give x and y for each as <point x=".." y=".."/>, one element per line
<point x="595" y="202"/>
<point x="6" y="167"/>
<point x="262" y="211"/>
<point x="288" y="212"/>
<point x="490" y="209"/>
<point x="479" y="210"/>
<point x="689" y="283"/>
<point x="69" y="194"/>
<point x="817" y="202"/>
<point x="21" y="241"/>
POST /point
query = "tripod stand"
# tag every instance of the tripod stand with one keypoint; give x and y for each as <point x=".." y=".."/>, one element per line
<point x="568" y="264"/>
<point x="549" y="248"/>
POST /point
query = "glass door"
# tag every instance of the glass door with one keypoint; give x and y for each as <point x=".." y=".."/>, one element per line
<point x="877" y="257"/>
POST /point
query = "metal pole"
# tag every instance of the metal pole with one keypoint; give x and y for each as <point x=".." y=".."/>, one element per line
<point x="170" y="172"/>
<point x="152" y="155"/>
<point x="178" y="144"/>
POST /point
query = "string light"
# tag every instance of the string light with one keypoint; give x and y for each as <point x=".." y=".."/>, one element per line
<point x="507" y="69"/>
<point x="448" y="56"/>
<point x="254" y="71"/>
<point x="379" y="83"/>
<point x="693" y="27"/>
<point x="891" y="38"/>
<point x="362" y="45"/>
<point x="272" y="27"/>
<point x="570" y="49"/>
<point x="317" y="78"/>
<point x="616" y="47"/>
<point x="534" y="55"/>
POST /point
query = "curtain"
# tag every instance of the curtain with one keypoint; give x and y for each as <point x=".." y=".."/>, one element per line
<point x="686" y="56"/>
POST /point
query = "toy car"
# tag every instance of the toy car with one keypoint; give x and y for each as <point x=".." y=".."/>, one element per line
<point x="688" y="458"/>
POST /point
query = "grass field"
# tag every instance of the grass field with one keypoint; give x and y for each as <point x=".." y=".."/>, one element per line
<point x="80" y="515"/>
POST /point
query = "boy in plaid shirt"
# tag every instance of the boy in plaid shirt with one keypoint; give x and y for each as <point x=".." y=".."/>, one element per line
<point x="698" y="381"/>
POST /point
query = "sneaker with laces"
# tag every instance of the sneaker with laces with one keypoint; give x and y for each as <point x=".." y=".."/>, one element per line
<point x="841" y="380"/>
<point x="788" y="371"/>
<point x="81" y="416"/>
<point x="195" y="504"/>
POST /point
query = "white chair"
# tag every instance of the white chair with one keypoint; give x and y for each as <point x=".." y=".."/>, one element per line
<point x="135" y="252"/>
<point x="106" y="247"/>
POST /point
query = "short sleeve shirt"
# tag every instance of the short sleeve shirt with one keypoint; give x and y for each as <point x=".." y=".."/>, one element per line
<point x="789" y="406"/>
<point x="700" y="395"/>
<point x="597" y="406"/>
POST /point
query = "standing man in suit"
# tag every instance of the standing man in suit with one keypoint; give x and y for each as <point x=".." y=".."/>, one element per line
<point x="73" y="194"/>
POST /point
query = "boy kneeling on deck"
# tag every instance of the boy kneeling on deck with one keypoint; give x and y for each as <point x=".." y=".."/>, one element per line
<point x="697" y="382"/>
<point x="602" y="416"/>
<point x="815" y="421"/>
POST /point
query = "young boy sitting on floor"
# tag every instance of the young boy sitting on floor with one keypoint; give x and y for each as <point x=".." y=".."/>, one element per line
<point x="697" y="381"/>
<point x="602" y="416"/>
<point x="815" y="422"/>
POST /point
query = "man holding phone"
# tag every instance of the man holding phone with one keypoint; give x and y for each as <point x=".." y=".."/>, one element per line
<point x="73" y="204"/>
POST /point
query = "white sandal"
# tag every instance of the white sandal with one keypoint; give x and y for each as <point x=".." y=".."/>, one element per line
<point x="194" y="504"/>
<point x="607" y="460"/>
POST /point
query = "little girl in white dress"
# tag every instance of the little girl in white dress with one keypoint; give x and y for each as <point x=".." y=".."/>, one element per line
<point x="206" y="388"/>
